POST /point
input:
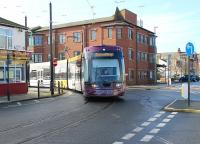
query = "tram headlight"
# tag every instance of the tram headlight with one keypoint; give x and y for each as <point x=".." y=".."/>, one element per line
<point x="94" y="85"/>
<point x="118" y="85"/>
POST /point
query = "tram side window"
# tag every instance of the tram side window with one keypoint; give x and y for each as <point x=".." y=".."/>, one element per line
<point x="33" y="75"/>
<point x="46" y="73"/>
<point x="71" y="71"/>
<point x="86" y="75"/>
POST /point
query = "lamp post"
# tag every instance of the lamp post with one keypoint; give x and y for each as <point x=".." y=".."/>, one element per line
<point x="51" y="52"/>
<point x="154" y="29"/>
<point x="8" y="76"/>
<point x="180" y="61"/>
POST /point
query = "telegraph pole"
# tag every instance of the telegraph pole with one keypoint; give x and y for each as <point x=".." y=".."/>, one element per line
<point x="51" y="52"/>
<point x="27" y="72"/>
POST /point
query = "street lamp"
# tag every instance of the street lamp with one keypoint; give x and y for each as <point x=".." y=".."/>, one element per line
<point x="51" y="52"/>
<point x="154" y="29"/>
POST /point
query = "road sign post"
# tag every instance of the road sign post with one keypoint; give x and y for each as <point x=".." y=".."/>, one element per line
<point x="189" y="51"/>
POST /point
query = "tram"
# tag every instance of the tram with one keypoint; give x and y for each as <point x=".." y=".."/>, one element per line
<point x="98" y="72"/>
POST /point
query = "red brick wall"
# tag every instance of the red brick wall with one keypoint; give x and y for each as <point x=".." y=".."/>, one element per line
<point x="129" y="16"/>
<point x="102" y="38"/>
<point x="14" y="88"/>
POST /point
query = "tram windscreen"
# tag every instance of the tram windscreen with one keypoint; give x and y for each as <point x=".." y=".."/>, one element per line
<point x="105" y="70"/>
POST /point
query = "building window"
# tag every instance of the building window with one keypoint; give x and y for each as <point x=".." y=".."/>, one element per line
<point x="62" y="38"/>
<point x="130" y="75"/>
<point x="119" y="33"/>
<point x="144" y="56"/>
<point x="152" y="58"/>
<point x="77" y="53"/>
<point x="130" y="53"/>
<point x="62" y="56"/>
<point x="151" y="75"/>
<point x="38" y="40"/>
<point x="37" y="58"/>
<point x="5" y="39"/>
<point x="145" y="40"/>
<point x="93" y="35"/>
<point x="130" y="33"/>
<point x="139" y="55"/>
<point x="110" y="33"/>
<point x="77" y="36"/>
<point x="3" y="42"/>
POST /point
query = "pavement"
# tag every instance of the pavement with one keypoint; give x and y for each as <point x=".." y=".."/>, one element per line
<point x="31" y="95"/>
<point x="184" y="106"/>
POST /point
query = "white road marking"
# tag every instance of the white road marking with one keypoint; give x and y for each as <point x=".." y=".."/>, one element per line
<point x="36" y="101"/>
<point x="174" y="113"/>
<point x="152" y="119"/>
<point x="138" y="129"/>
<point x="161" y="125"/>
<point x="128" y="136"/>
<point x="157" y="115"/>
<point x="166" y="120"/>
<point x="117" y="142"/>
<point x="170" y="116"/>
<point x="19" y="104"/>
<point x="154" y="131"/>
<point x="145" y="123"/>
<point x="147" y="138"/>
<point x="161" y="112"/>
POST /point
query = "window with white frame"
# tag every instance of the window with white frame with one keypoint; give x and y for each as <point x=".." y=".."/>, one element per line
<point x="130" y="53"/>
<point x="61" y="56"/>
<point x="93" y="35"/>
<point x="119" y="33"/>
<point x="110" y="32"/>
<point x="130" y="33"/>
<point x="6" y="39"/>
<point x="37" y="57"/>
<point x="77" y="36"/>
<point x="139" y="56"/>
<point x="62" y="38"/>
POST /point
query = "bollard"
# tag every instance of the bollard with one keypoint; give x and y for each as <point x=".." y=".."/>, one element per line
<point x="62" y="87"/>
<point x="59" y="87"/>
<point x="38" y="89"/>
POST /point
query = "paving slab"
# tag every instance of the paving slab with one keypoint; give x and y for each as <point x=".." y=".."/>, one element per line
<point x="182" y="106"/>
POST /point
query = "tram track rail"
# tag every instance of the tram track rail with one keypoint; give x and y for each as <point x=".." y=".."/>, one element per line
<point x="59" y="115"/>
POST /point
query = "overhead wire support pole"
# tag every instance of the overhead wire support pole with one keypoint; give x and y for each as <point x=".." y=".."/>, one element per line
<point x="51" y="51"/>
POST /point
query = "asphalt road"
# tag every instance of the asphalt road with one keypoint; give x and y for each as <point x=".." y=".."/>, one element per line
<point x="136" y="118"/>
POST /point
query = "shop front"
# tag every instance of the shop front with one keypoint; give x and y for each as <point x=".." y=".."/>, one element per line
<point x="13" y="72"/>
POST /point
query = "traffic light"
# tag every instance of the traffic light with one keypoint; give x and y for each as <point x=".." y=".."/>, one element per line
<point x="55" y="62"/>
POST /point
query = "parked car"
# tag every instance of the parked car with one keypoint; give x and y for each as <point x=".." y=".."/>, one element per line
<point x="193" y="78"/>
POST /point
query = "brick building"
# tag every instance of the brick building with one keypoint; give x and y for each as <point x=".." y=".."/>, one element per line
<point x="176" y="65"/>
<point x="120" y="29"/>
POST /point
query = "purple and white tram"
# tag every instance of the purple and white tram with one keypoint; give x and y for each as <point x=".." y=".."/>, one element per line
<point x="99" y="72"/>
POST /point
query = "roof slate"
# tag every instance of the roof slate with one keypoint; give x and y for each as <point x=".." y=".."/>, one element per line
<point x="9" y="23"/>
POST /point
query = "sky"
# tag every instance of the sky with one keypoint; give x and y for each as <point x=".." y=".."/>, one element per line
<point x="176" y="22"/>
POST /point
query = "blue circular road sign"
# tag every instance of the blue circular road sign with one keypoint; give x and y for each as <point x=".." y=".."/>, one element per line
<point x="189" y="49"/>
